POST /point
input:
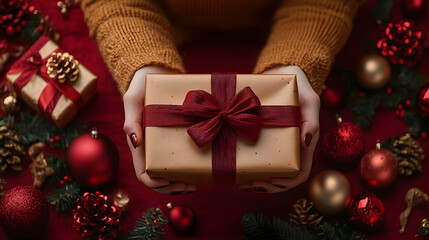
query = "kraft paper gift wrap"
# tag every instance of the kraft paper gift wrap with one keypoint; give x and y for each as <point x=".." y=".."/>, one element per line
<point x="65" y="109"/>
<point x="172" y="154"/>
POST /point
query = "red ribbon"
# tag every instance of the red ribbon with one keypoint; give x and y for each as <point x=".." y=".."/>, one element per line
<point x="219" y="117"/>
<point x="30" y="64"/>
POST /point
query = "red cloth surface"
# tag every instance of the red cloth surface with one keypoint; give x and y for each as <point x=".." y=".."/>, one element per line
<point x="219" y="210"/>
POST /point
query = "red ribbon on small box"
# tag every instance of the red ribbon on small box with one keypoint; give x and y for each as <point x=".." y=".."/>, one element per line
<point x="219" y="117"/>
<point x="30" y="64"/>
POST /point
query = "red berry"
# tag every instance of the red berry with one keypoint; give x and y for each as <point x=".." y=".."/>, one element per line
<point x="66" y="178"/>
<point x="397" y="112"/>
<point x="154" y="213"/>
<point x="389" y="90"/>
<point x="402" y="113"/>
<point x="57" y="138"/>
<point x="51" y="140"/>
<point x="423" y="135"/>
<point x="408" y="102"/>
<point x="361" y="94"/>
<point x="155" y="221"/>
<point x="400" y="106"/>
<point x="62" y="182"/>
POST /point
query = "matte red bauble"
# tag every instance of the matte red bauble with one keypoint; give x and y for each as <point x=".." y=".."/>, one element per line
<point x="24" y="212"/>
<point x="332" y="97"/>
<point x="182" y="219"/>
<point x="414" y="9"/>
<point x="423" y="100"/>
<point x="367" y="211"/>
<point x="93" y="159"/>
<point x="379" y="167"/>
<point x="344" y="142"/>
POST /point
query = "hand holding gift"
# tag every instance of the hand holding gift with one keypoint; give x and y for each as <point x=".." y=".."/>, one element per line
<point x="133" y="105"/>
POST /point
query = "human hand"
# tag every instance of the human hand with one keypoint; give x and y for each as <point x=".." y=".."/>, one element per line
<point x="133" y="105"/>
<point x="310" y="107"/>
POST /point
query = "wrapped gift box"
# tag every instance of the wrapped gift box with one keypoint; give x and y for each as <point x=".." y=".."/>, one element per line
<point x="172" y="154"/>
<point x="43" y="94"/>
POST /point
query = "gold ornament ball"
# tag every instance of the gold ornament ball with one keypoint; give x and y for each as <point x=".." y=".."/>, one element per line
<point x="10" y="104"/>
<point x="330" y="192"/>
<point x="373" y="71"/>
<point x="122" y="199"/>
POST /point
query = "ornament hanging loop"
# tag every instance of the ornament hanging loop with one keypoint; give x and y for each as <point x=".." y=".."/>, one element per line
<point x="94" y="133"/>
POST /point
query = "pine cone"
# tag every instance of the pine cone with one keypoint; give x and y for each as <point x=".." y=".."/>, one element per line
<point x="63" y="67"/>
<point x="304" y="214"/>
<point x="96" y="217"/>
<point x="10" y="149"/>
<point x="409" y="154"/>
<point x="14" y="15"/>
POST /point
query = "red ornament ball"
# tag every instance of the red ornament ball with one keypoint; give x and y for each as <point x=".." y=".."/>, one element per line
<point x="24" y="212"/>
<point x="332" y="97"/>
<point x="367" y="211"/>
<point x="413" y="9"/>
<point x="343" y="142"/>
<point x="401" y="43"/>
<point x="182" y="219"/>
<point x="96" y="217"/>
<point x="423" y="100"/>
<point x="379" y="167"/>
<point x="93" y="160"/>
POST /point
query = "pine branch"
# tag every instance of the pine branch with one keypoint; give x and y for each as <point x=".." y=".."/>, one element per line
<point x="381" y="10"/>
<point x="149" y="227"/>
<point x="343" y="231"/>
<point x="64" y="198"/>
<point x="32" y="129"/>
<point x="59" y="166"/>
<point x="259" y="226"/>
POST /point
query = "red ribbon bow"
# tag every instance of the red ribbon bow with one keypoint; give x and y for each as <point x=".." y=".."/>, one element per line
<point x="242" y="114"/>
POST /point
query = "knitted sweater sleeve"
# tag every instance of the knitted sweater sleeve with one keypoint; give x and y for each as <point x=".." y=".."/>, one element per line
<point x="308" y="33"/>
<point x="131" y="34"/>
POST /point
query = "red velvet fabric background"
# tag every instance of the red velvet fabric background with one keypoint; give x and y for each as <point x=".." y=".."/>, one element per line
<point x="219" y="210"/>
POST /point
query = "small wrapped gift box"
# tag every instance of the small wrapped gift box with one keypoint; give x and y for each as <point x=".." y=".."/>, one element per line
<point x="221" y="128"/>
<point x="57" y="101"/>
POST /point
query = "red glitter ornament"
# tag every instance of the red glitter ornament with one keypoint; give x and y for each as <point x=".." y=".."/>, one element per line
<point x="96" y="217"/>
<point x="93" y="160"/>
<point x="343" y="142"/>
<point x="14" y="15"/>
<point x="379" y="167"/>
<point x="24" y="212"/>
<point x="423" y="100"/>
<point x="182" y="219"/>
<point x="367" y="211"/>
<point x="401" y="43"/>
<point x="413" y="9"/>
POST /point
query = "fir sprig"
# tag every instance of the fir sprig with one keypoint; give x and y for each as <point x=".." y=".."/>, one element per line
<point x="32" y="129"/>
<point x="64" y="198"/>
<point x="149" y="227"/>
<point x="258" y="226"/>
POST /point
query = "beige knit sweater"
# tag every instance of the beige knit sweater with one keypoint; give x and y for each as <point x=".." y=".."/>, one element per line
<point x="135" y="33"/>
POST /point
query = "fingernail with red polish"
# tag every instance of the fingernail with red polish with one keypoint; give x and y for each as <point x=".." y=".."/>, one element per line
<point x="279" y="186"/>
<point x="307" y="139"/>
<point x="260" y="189"/>
<point x="133" y="139"/>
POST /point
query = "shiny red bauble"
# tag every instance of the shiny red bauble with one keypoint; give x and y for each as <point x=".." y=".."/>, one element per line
<point x="379" y="167"/>
<point x="343" y="142"/>
<point x="92" y="160"/>
<point x="423" y="100"/>
<point x="182" y="219"/>
<point x="24" y="212"/>
<point x="414" y="9"/>
<point x="367" y="211"/>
